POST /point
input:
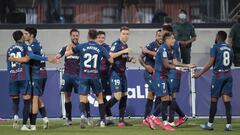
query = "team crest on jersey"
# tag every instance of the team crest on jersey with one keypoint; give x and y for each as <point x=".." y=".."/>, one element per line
<point x="164" y="54"/>
<point x="112" y="48"/>
<point x="29" y="48"/>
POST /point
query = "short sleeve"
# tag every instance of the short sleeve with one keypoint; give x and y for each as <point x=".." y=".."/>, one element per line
<point x="213" y="52"/>
<point x="62" y="51"/>
<point x="148" y="47"/>
<point x="163" y="53"/>
<point x="105" y="53"/>
<point x="177" y="50"/>
<point x="114" y="47"/>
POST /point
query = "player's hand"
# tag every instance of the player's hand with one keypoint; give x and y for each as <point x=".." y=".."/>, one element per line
<point x="11" y="58"/>
<point x="133" y="60"/>
<point x="53" y="60"/>
<point x="144" y="49"/>
<point x="196" y="75"/>
<point x="127" y="50"/>
<point x="149" y="68"/>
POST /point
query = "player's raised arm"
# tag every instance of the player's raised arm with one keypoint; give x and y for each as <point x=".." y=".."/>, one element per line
<point x="69" y="50"/>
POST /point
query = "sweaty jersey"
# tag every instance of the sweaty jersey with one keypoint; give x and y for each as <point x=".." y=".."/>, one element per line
<point x="38" y="68"/>
<point x="90" y="59"/>
<point x="173" y="73"/>
<point x="153" y="46"/>
<point x="18" y="71"/>
<point x="164" y="52"/>
<point x="223" y="55"/>
<point x="119" y="64"/>
<point x="105" y="64"/>
<point x="71" y="63"/>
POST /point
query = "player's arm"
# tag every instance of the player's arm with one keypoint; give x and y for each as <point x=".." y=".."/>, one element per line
<point x="58" y="56"/>
<point x="205" y="68"/>
<point x="147" y="51"/>
<point x="131" y="59"/>
<point x="177" y="63"/>
<point x="166" y="64"/>
<point x="107" y="55"/>
<point x="61" y="53"/>
<point x="20" y="60"/>
<point x="30" y="55"/>
<point x="147" y="67"/>
<point x="110" y="59"/>
<point x="119" y="53"/>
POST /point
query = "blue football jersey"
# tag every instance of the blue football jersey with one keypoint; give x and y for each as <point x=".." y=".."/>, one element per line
<point x="105" y="64"/>
<point x="71" y="63"/>
<point x="18" y="71"/>
<point x="153" y="46"/>
<point x="91" y="54"/>
<point x="162" y="53"/>
<point x="37" y="67"/>
<point x="223" y="55"/>
<point x="119" y="64"/>
<point x="173" y="73"/>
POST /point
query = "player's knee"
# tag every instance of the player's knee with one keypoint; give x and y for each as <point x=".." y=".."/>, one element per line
<point x="83" y="98"/>
<point x="26" y="97"/>
<point x="15" y="97"/>
<point x="174" y="95"/>
<point x="226" y="98"/>
<point x="118" y="95"/>
<point x="100" y="98"/>
<point x="40" y="102"/>
<point x="214" y="99"/>
<point x="150" y="95"/>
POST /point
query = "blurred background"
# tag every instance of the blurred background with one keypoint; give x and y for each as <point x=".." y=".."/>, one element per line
<point x="115" y="11"/>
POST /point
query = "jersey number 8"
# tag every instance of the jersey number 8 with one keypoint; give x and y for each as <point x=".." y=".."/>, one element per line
<point x="226" y="58"/>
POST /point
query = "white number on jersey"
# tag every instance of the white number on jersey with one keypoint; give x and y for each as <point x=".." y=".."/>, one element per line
<point x="15" y="55"/>
<point x="90" y="58"/>
<point x="226" y="58"/>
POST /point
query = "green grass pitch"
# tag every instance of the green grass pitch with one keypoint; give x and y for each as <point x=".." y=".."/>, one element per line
<point x="191" y="127"/>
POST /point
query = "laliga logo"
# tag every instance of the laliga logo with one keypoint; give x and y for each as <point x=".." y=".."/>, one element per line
<point x="137" y="93"/>
<point x="133" y="93"/>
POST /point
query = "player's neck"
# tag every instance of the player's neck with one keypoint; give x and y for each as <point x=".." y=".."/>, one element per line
<point x="31" y="41"/>
<point x="122" y="41"/>
<point x="91" y="40"/>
